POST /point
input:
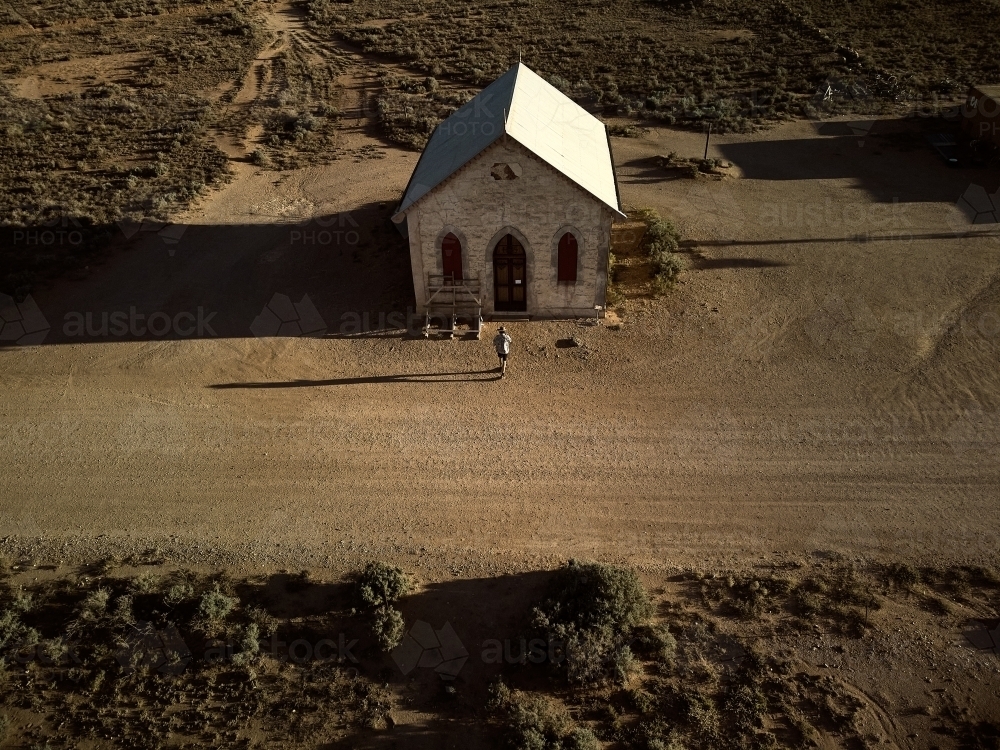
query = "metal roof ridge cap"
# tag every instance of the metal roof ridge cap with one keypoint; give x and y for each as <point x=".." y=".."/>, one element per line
<point x="513" y="93"/>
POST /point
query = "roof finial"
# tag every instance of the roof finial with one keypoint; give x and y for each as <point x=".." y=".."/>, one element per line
<point x="518" y="55"/>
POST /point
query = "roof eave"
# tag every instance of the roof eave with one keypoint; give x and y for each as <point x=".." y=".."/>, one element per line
<point x="614" y="176"/>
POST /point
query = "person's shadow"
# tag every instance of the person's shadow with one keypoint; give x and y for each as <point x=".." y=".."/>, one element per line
<point x="420" y="377"/>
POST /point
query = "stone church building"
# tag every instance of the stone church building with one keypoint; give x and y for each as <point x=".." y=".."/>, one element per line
<point x="509" y="210"/>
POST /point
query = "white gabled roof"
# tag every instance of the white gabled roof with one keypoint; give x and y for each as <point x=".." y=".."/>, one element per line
<point x="532" y="112"/>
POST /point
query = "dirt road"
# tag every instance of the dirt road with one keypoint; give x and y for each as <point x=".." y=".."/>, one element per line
<point x="824" y="379"/>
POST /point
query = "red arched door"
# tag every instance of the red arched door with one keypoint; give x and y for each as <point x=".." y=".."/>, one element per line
<point x="510" y="277"/>
<point x="451" y="258"/>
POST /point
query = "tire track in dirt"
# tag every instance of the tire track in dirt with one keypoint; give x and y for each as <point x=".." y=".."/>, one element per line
<point x="958" y="372"/>
<point x="357" y="82"/>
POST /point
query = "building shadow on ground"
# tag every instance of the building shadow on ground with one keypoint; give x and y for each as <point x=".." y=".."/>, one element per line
<point x="346" y="274"/>
<point x="889" y="160"/>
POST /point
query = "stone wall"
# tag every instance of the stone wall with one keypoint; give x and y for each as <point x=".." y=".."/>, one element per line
<point x="533" y="202"/>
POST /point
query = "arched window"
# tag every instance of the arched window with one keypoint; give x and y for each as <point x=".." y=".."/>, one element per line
<point x="451" y="257"/>
<point x="567" y="258"/>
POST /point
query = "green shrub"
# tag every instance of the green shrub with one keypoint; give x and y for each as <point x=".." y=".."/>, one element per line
<point x="658" y="641"/>
<point x="10" y="627"/>
<point x="379" y="585"/>
<point x="216" y="606"/>
<point x="902" y="575"/>
<point x="123" y="614"/>
<point x="661" y="235"/>
<point x="746" y="707"/>
<point x="23" y="602"/>
<point x="266" y="623"/>
<point x="105" y="566"/>
<point x="592" y="609"/>
<point x="54" y="651"/>
<point x="388" y="627"/>
<point x="247" y="645"/>
<point x="177" y="593"/>
<point x="94" y="605"/>
<point x="838" y="594"/>
<point x="614" y="296"/>
<point x="145" y="583"/>
<point x="624" y="664"/>
<point x="213" y="608"/>
<point x="259" y="158"/>
<point x="594" y="595"/>
<point x="700" y="713"/>
<point x="661" y="241"/>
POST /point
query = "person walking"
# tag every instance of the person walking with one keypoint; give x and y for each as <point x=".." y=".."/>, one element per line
<point x="501" y="342"/>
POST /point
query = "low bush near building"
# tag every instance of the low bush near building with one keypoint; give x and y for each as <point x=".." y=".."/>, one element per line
<point x="661" y="242"/>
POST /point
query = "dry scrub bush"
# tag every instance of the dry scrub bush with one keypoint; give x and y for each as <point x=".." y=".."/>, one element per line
<point x="81" y="161"/>
<point x="661" y="241"/>
<point x="92" y="674"/>
<point x="593" y="609"/>
<point x="377" y="587"/>
<point x="536" y="722"/>
<point x="213" y="609"/>
<point x="735" y="65"/>
<point x="409" y="110"/>
<point x="13" y="632"/>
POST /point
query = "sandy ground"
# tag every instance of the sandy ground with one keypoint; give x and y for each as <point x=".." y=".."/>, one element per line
<point x="824" y="379"/>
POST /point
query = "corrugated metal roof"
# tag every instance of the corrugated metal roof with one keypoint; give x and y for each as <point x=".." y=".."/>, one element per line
<point x="539" y="117"/>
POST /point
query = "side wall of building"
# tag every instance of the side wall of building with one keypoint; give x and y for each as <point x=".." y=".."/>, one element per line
<point x="534" y="203"/>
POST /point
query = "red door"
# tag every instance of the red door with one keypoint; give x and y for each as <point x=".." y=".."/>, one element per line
<point x="451" y="258"/>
